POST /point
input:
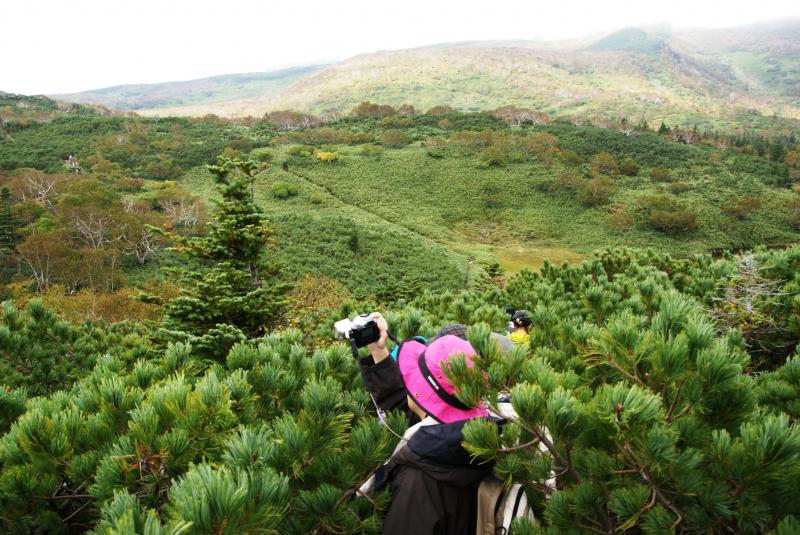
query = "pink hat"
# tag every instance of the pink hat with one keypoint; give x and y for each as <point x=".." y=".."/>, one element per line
<point x="422" y="369"/>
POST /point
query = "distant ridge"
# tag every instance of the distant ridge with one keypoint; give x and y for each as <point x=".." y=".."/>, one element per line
<point x="214" y="89"/>
<point x="728" y="78"/>
<point x="630" y="40"/>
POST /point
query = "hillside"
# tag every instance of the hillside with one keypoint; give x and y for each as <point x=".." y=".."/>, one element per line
<point x="733" y="78"/>
<point x="167" y="363"/>
<point x="213" y="91"/>
<point x="703" y="77"/>
<point x="16" y="108"/>
<point x="451" y="187"/>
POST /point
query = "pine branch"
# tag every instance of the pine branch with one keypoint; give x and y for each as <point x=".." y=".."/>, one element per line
<point x="509" y="449"/>
<point x="681" y="414"/>
<point x="609" y="360"/>
<point x="78" y="510"/>
<point x="64" y="497"/>
<point x="675" y="400"/>
<point x="627" y="452"/>
<point x="603" y="515"/>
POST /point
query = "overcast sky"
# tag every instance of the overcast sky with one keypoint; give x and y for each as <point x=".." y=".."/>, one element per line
<point x="50" y="46"/>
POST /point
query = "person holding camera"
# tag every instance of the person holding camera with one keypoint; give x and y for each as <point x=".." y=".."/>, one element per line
<point x="432" y="480"/>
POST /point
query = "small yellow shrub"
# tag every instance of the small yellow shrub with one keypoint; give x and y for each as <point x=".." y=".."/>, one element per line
<point x="327" y="157"/>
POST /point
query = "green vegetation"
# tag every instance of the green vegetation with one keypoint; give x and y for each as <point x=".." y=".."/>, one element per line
<point x="234" y="294"/>
<point x="629" y="40"/>
<point x="21" y="109"/>
<point x="642" y="370"/>
<point x="159" y="149"/>
<point x="166" y="359"/>
<point x="668" y="384"/>
<point x="388" y="208"/>
<point x="776" y="73"/>
<point x="663" y="383"/>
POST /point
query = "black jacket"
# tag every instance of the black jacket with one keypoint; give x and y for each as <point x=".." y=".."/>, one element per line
<point x="385" y="383"/>
<point x="432" y="482"/>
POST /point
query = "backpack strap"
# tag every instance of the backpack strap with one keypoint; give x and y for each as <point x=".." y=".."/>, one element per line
<point x="396" y="348"/>
<point x="515" y="506"/>
<point x="490" y="501"/>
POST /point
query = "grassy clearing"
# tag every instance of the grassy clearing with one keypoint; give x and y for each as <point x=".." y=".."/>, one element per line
<point x="517" y="214"/>
<point x="514" y="258"/>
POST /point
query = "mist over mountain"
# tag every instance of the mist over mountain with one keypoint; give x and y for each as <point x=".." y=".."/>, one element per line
<point x="687" y="76"/>
<point x="204" y="91"/>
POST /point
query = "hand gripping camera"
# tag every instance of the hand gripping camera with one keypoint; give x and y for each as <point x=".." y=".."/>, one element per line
<point x="361" y="331"/>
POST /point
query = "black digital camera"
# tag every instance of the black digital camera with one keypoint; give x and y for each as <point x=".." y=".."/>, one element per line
<point x="361" y="331"/>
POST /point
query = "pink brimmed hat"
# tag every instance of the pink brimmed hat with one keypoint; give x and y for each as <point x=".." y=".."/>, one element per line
<point x="423" y="374"/>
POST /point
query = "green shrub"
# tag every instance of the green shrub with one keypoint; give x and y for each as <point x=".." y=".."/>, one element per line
<point x="436" y="147"/>
<point x="660" y="174"/>
<point x="494" y="156"/>
<point x="628" y="167"/>
<point x="668" y="215"/>
<point x="370" y="150"/>
<point x="303" y="151"/>
<point x="595" y="191"/>
<point x="604" y="164"/>
<point x="570" y="180"/>
<point x="395" y="139"/>
<point x="678" y="187"/>
<point x="283" y="190"/>
<point x="161" y="168"/>
<point x="741" y="207"/>
<point x="262" y="155"/>
<point x="325" y="135"/>
<point x="793" y="206"/>
<point x="569" y="157"/>
<point x="396" y="122"/>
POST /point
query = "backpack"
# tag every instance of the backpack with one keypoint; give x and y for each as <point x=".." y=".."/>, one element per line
<point x="497" y="508"/>
<point x="421" y="339"/>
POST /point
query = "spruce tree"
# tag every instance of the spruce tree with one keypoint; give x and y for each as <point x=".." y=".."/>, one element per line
<point x="8" y="232"/>
<point x="230" y="292"/>
<point x="8" y="227"/>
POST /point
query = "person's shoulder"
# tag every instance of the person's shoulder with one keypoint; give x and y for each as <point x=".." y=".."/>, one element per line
<point x="519" y="337"/>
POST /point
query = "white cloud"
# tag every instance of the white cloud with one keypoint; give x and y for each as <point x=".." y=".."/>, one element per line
<point x="50" y="46"/>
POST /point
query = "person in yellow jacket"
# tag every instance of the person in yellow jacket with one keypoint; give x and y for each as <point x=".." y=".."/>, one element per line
<point x="520" y="327"/>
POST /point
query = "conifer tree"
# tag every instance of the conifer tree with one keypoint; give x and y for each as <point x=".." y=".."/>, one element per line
<point x="493" y="275"/>
<point x="638" y="402"/>
<point x="231" y="292"/>
<point x="8" y="231"/>
<point x="7" y="224"/>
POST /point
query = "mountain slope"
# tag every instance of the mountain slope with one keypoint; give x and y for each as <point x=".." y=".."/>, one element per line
<point x="766" y="57"/>
<point x="15" y="107"/>
<point x="630" y="40"/>
<point x="732" y="78"/>
<point x="205" y="91"/>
